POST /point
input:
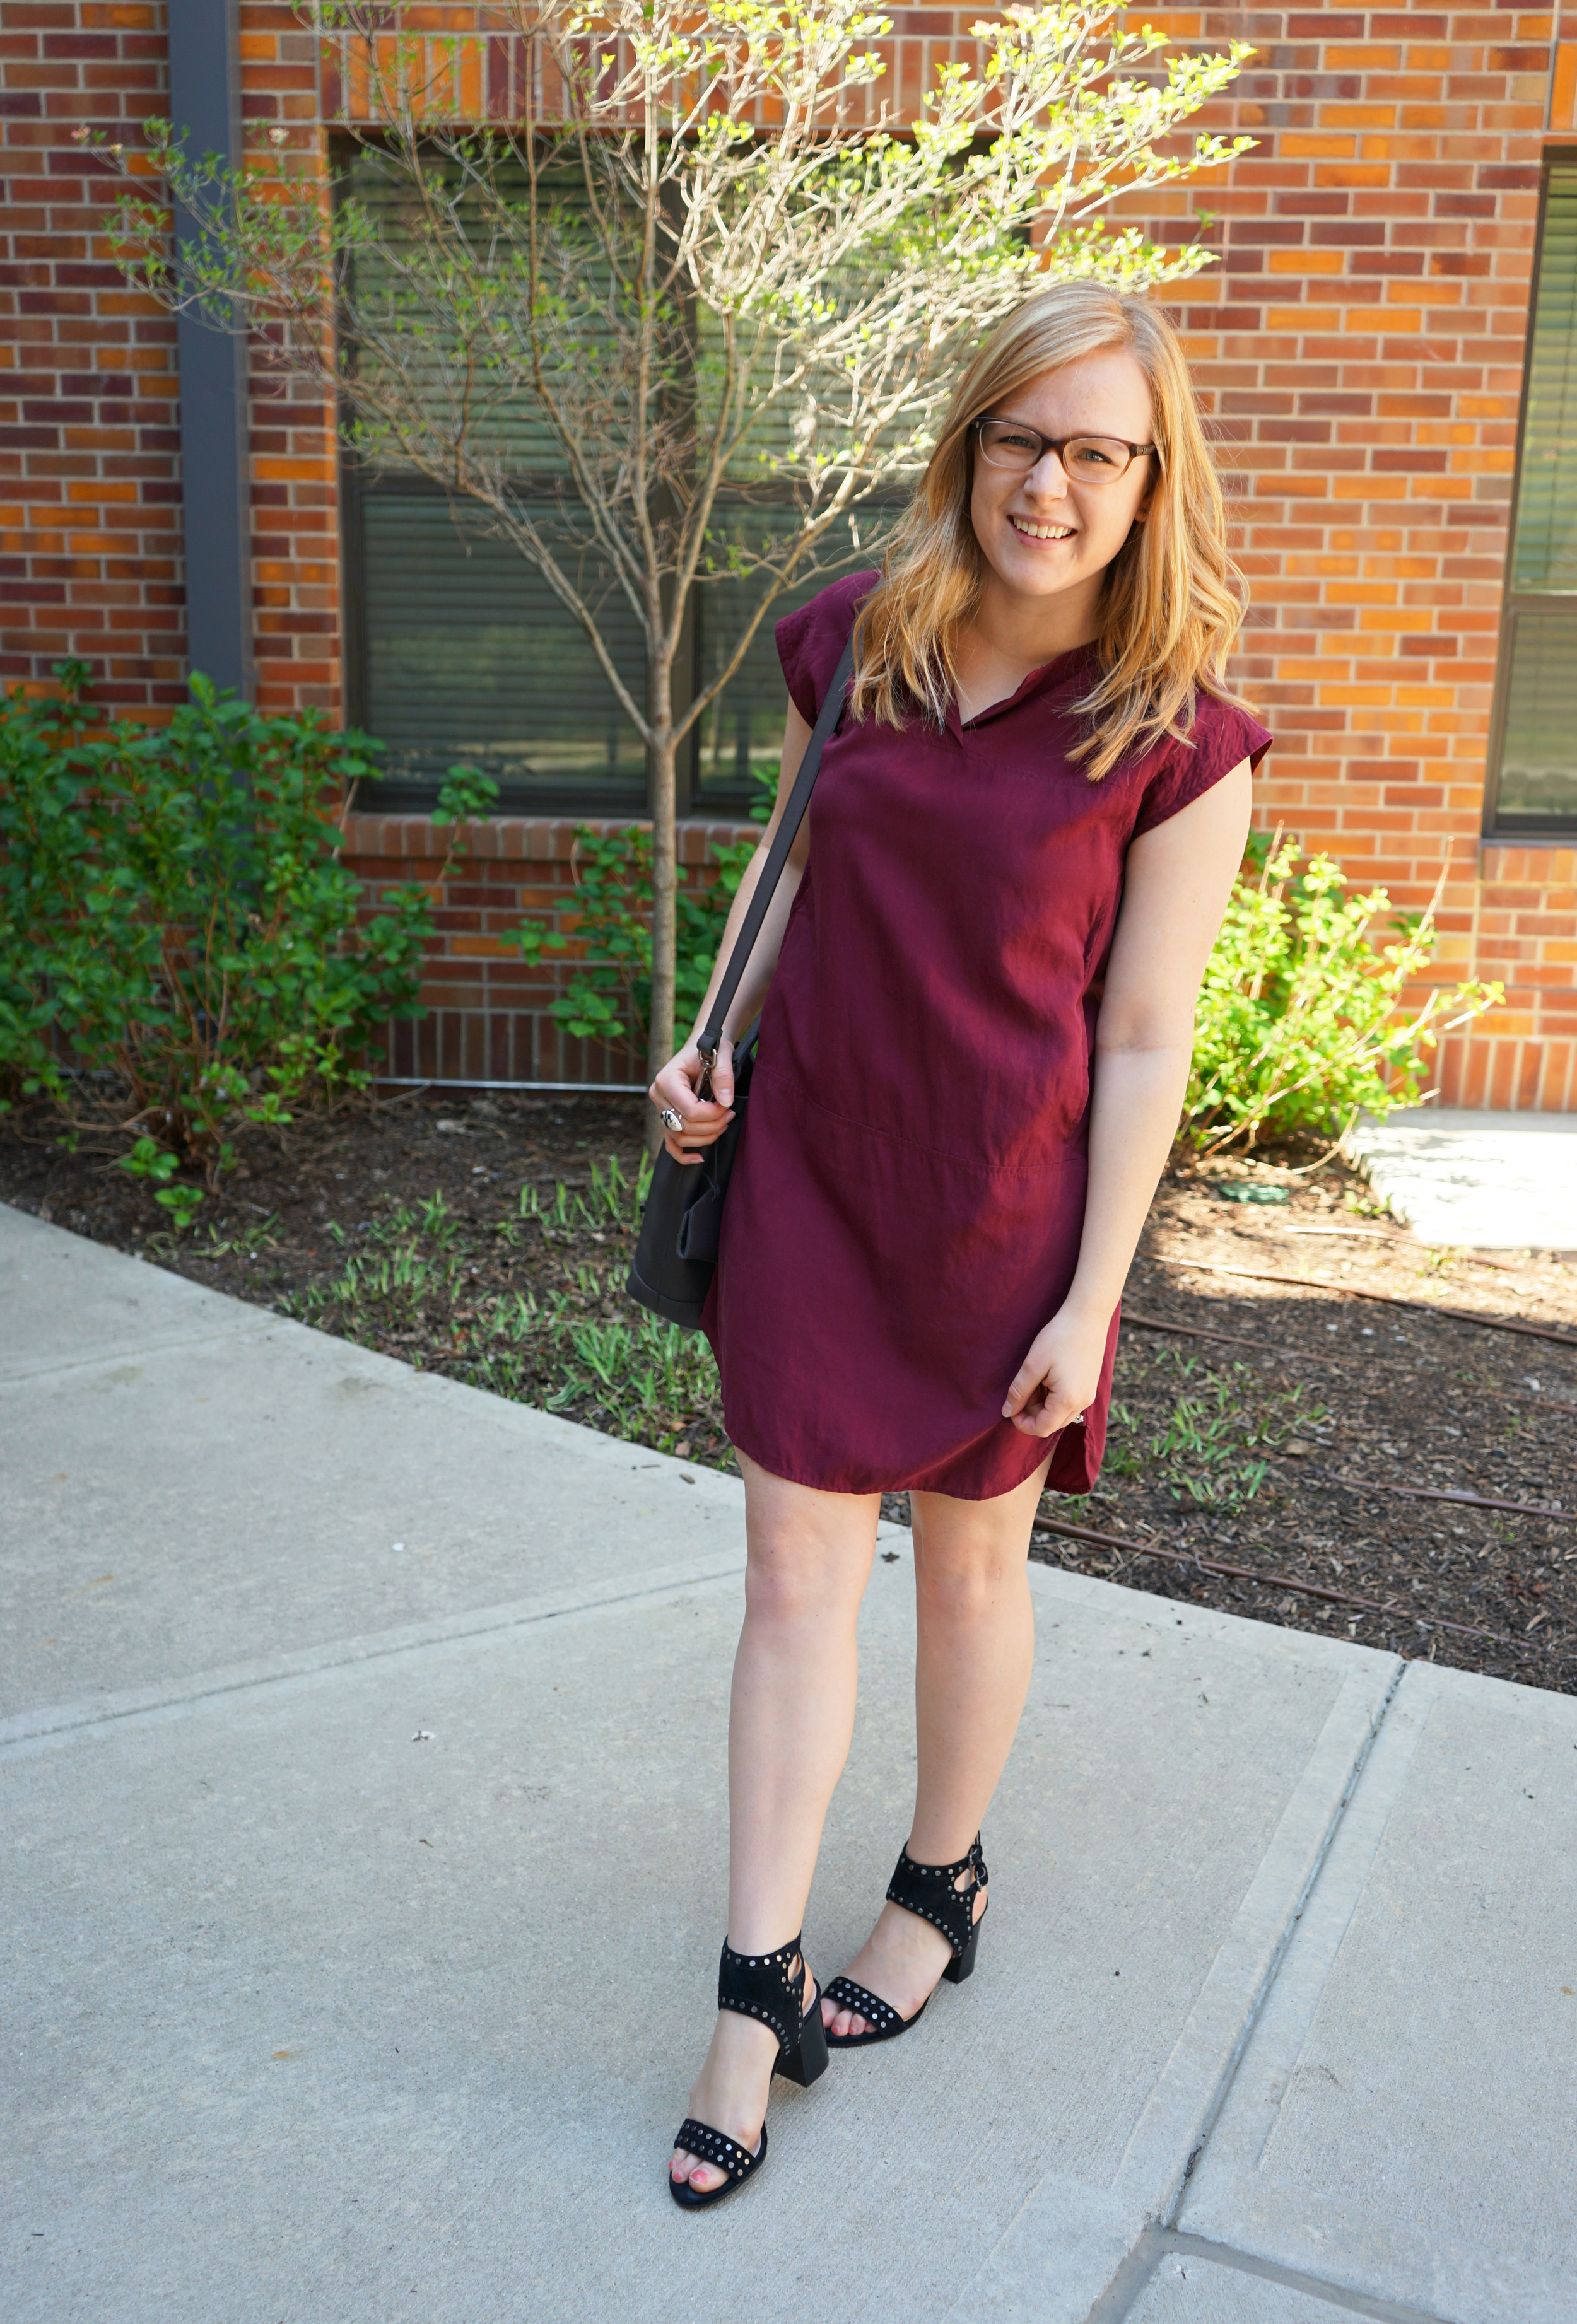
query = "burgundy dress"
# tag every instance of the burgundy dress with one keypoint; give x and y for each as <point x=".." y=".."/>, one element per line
<point x="906" y="1205"/>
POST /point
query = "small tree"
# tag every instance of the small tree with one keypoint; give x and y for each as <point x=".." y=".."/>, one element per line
<point x="708" y="264"/>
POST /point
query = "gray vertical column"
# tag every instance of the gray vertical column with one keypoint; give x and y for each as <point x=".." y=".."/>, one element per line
<point x="205" y="101"/>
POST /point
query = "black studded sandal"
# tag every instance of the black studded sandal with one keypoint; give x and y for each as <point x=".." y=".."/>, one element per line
<point x="768" y="1986"/>
<point x="927" y="1890"/>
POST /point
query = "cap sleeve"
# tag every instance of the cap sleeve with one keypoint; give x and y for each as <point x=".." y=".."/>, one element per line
<point x="1222" y="737"/>
<point x="811" y="641"/>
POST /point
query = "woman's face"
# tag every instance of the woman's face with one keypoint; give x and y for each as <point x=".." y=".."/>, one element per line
<point x="1044" y="531"/>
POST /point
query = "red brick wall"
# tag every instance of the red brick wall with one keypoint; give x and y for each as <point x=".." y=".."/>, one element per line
<point x="489" y="1016"/>
<point x="89" y="465"/>
<point x="1360" y="350"/>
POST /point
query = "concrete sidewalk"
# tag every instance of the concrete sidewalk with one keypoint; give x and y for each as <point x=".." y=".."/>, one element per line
<point x="1476" y="1181"/>
<point x="310" y="2019"/>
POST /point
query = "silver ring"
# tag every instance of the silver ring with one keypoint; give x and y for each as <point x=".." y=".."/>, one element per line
<point x="671" y="1119"/>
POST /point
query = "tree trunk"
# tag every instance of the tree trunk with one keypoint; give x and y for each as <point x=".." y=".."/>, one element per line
<point x="664" y="880"/>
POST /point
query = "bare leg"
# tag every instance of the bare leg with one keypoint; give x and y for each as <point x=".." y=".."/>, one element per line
<point x="790" y="1719"/>
<point x="972" y="1673"/>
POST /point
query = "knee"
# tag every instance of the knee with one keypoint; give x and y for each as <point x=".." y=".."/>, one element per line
<point x="792" y="1583"/>
<point x="964" y="1584"/>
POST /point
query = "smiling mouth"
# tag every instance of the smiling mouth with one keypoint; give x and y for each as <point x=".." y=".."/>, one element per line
<point x="1028" y="532"/>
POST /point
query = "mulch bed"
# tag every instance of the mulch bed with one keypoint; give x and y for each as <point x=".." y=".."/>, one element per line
<point x="1293" y="1430"/>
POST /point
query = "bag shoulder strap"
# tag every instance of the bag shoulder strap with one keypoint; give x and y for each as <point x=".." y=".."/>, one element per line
<point x="831" y="710"/>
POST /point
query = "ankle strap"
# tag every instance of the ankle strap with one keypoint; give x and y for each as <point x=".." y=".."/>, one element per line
<point x="927" y="1890"/>
<point x="770" y="1987"/>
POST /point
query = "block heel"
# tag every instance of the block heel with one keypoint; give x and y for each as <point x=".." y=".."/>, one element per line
<point x="808" y="2059"/>
<point x="961" y="1965"/>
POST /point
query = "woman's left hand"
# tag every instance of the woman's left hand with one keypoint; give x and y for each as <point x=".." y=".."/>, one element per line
<point x="1057" y="1380"/>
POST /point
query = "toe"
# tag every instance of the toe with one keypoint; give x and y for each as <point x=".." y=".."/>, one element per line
<point x="705" y="2176"/>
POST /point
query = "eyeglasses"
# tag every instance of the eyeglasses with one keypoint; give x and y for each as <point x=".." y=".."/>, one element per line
<point x="1086" y="459"/>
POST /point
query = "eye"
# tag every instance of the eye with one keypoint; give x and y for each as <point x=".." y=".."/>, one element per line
<point x="1090" y="454"/>
<point x="1015" y="440"/>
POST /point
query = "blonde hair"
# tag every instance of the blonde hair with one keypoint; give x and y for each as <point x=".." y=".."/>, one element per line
<point x="1171" y="605"/>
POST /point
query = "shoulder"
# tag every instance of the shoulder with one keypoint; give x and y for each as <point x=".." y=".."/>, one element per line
<point x="811" y="639"/>
<point x="1221" y="736"/>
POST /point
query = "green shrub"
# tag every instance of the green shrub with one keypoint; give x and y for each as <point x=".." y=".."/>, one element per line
<point x="1301" y="1022"/>
<point x="176" y="918"/>
<point x="604" y="931"/>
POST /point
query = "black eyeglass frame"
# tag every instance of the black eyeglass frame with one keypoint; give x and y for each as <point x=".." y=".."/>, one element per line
<point x="1057" y="443"/>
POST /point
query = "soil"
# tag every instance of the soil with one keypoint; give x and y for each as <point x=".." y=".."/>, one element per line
<point x="1294" y="1430"/>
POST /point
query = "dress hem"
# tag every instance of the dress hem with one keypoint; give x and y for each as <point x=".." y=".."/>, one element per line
<point x="856" y="1493"/>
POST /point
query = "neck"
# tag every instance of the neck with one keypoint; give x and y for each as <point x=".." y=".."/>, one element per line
<point x="1032" y="631"/>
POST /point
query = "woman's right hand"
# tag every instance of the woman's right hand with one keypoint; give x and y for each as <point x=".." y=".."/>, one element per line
<point x="677" y="1089"/>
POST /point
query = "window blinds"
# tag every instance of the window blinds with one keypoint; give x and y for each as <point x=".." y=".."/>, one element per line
<point x="405" y="299"/>
<point x="1536" y="787"/>
<point x="1546" y="499"/>
<point x="470" y="658"/>
<point x="1538" y="750"/>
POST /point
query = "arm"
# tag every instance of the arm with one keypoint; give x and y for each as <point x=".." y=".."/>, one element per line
<point x="1177" y="881"/>
<point x="705" y="1119"/>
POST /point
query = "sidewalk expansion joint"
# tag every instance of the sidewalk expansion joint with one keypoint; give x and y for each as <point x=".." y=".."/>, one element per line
<point x="1159" y="2245"/>
<point x="1273" y="1967"/>
<point x="64" y="1722"/>
<point x="144" y="1350"/>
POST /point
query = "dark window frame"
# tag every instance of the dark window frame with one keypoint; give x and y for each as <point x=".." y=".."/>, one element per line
<point x="1553" y="829"/>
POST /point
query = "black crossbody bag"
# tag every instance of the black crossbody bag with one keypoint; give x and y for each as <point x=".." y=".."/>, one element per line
<point x="677" y="1253"/>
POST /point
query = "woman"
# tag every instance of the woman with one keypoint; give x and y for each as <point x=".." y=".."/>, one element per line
<point x="979" y="976"/>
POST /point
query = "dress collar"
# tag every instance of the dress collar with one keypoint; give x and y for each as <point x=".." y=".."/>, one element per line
<point x="1051" y="675"/>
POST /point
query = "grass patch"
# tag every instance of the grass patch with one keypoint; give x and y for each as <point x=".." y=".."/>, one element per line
<point x="531" y="1306"/>
<point x="1203" y="1435"/>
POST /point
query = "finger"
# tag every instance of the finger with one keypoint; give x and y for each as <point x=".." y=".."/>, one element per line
<point x="676" y="1085"/>
<point x="1024" y="1383"/>
<point x="1046" y="1419"/>
<point x="697" y="1133"/>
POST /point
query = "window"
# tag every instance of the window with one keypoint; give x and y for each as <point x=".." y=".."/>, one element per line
<point x="459" y="652"/>
<point x="1533" y="770"/>
<point x="468" y="657"/>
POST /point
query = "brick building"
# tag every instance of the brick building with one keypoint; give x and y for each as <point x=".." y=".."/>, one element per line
<point x="1364" y="349"/>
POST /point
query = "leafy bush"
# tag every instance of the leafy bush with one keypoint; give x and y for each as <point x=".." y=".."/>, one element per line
<point x="175" y="916"/>
<point x="1301" y="1022"/>
<point x="603" y="929"/>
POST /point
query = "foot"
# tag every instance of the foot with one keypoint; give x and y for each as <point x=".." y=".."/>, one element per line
<point x="730" y="2092"/>
<point x="902" y="1960"/>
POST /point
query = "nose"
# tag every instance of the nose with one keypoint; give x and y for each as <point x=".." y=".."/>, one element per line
<point x="1048" y="474"/>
